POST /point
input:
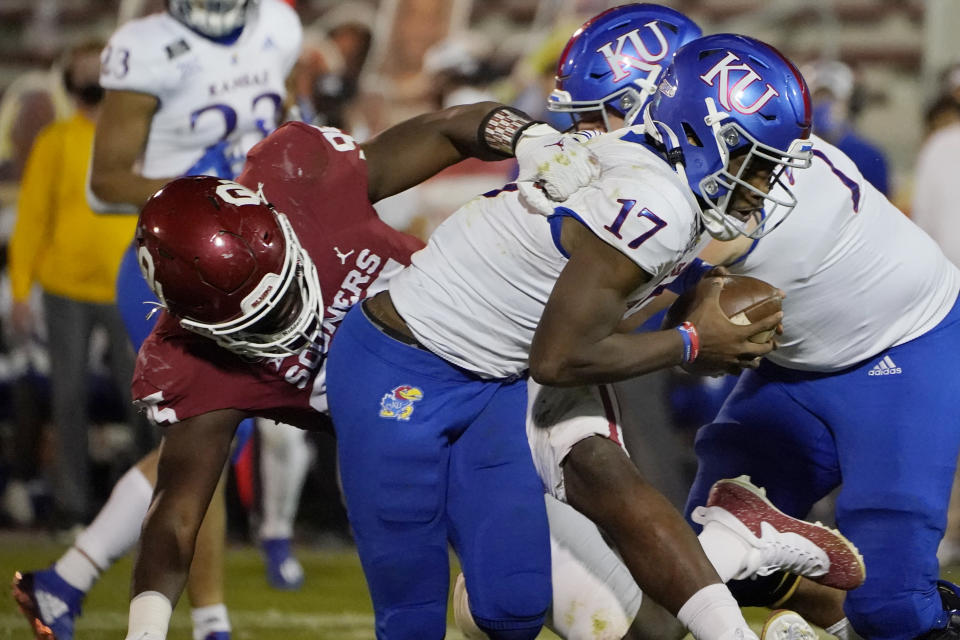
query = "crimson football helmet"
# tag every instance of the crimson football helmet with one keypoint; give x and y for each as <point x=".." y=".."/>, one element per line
<point x="229" y="267"/>
<point x="211" y="18"/>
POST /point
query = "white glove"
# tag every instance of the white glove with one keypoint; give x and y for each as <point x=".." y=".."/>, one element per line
<point x="559" y="163"/>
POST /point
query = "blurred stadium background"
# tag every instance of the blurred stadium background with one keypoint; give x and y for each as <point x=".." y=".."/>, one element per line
<point x="367" y="64"/>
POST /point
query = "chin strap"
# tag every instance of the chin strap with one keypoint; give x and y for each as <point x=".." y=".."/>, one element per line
<point x="668" y="139"/>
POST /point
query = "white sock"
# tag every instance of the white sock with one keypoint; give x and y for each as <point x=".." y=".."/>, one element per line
<point x="284" y="462"/>
<point x="713" y="614"/>
<point x="117" y="527"/>
<point x="843" y="631"/>
<point x="77" y="570"/>
<point x="149" y="617"/>
<point x="209" y="619"/>
<point x="725" y="550"/>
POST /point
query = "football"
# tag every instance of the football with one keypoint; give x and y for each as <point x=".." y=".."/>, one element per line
<point x="743" y="300"/>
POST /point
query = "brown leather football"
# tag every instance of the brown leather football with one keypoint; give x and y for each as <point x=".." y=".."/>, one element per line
<point x="743" y="300"/>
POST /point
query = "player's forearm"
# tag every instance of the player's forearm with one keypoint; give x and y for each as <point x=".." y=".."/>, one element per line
<point x="456" y="132"/>
<point x="416" y="149"/>
<point x="119" y="191"/>
<point x="635" y="320"/>
<point x="619" y="356"/>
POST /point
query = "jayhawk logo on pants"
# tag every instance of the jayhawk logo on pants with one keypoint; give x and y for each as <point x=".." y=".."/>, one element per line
<point x="398" y="404"/>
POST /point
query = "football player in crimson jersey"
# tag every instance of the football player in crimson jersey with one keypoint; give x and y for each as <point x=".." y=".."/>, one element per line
<point x="872" y="317"/>
<point x="254" y="292"/>
<point x="188" y="90"/>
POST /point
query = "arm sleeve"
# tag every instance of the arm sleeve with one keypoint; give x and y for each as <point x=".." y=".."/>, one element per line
<point x="34" y="212"/>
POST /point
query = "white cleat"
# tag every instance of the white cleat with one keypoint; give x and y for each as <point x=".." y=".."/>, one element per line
<point x="780" y="542"/>
<point x="787" y="625"/>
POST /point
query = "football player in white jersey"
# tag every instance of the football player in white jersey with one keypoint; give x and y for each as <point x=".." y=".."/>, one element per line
<point x="499" y="289"/>
<point x="867" y="291"/>
<point x="858" y="396"/>
<point x="189" y="91"/>
<point x="609" y="71"/>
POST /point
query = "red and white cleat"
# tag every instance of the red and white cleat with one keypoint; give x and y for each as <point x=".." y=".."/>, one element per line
<point x="780" y="542"/>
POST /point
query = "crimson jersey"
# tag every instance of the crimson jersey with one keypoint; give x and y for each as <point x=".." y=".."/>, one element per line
<point x="317" y="177"/>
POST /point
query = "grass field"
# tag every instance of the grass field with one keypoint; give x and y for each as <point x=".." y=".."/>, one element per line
<point x="333" y="603"/>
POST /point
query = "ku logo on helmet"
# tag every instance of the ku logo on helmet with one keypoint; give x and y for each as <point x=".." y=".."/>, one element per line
<point x="730" y="97"/>
<point x="645" y="60"/>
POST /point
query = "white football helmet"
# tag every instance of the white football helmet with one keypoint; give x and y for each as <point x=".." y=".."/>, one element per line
<point x="212" y="18"/>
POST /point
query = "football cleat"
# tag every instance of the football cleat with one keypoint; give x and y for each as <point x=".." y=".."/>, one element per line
<point x="283" y="570"/>
<point x="217" y="635"/>
<point x="787" y="625"/>
<point x="951" y="632"/>
<point x="780" y="542"/>
<point x="947" y="625"/>
<point x="49" y="604"/>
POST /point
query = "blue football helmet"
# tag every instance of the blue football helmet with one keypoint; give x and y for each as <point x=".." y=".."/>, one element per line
<point x="615" y="60"/>
<point x="727" y="96"/>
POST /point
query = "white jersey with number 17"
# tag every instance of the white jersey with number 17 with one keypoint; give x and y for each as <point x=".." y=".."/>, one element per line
<point x="475" y="294"/>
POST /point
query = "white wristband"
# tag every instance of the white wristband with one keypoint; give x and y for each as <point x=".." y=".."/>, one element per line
<point x="149" y="616"/>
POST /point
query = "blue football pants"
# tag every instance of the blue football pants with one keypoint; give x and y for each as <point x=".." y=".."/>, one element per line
<point x="890" y="442"/>
<point x="451" y="466"/>
<point x="133" y="298"/>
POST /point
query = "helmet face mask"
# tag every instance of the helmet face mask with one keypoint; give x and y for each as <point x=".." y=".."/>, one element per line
<point x="725" y="97"/>
<point x="211" y="18"/>
<point x="229" y="267"/>
<point x="629" y="102"/>
<point x="720" y="188"/>
<point x="615" y="60"/>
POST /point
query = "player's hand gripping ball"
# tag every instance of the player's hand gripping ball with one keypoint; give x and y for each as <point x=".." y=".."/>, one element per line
<point x="743" y="300"/>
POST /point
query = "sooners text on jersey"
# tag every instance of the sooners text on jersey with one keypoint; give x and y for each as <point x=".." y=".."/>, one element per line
<point x="317" y="177"/>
